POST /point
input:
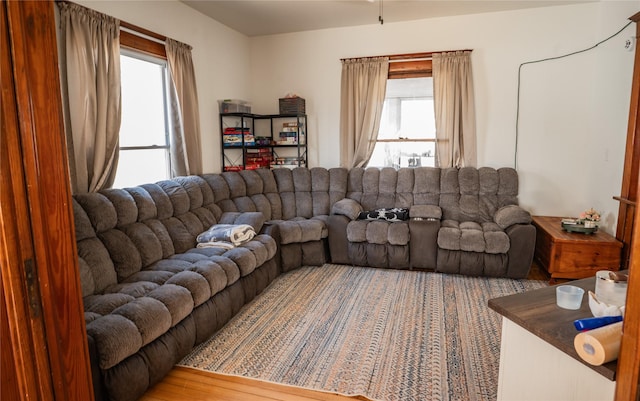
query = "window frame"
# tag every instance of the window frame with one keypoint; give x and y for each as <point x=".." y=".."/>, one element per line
<point x="141" y="44"/>
<point x="141" y="40"/>
<point x="417" y="65"/>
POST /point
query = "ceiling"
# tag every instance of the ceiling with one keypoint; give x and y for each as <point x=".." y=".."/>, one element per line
<point x="266" y="17"/>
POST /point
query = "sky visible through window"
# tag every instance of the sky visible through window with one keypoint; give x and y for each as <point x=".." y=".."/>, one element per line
<point x="143" y="123"/>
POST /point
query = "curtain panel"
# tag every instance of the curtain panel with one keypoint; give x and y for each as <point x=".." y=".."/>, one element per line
<point x="454" y="106"/>
<point x="186" y="153"/>
<point x="92" y="102"/>
<point x="363" y="89"/>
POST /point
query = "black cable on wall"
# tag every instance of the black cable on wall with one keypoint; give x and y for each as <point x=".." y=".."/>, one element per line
<point x="515" y="162"/>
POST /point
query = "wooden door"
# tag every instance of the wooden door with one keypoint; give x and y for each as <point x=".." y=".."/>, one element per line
<point x="41" y="308"/>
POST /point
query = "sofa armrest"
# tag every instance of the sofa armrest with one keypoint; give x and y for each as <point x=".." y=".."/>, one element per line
<point x="429" y="212"/>
<point x="347" y="207"/>
<point x="522" y="239"/>
<point x="337" y="239"/>
<point x="509" y="215"/>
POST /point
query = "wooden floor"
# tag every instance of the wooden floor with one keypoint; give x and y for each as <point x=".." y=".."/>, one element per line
<point x="194" y="385"/>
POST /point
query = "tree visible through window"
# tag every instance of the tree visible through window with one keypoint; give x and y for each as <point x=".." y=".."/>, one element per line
<point x="407" y="129"/>
<point x="144" y="137"/>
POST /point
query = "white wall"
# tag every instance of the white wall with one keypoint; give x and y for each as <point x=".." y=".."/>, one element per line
<point x="573" y="112"/>
<point x="221" y="57"/>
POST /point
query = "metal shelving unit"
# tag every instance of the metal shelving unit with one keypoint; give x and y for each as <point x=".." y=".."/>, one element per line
<point x="241" y="148"/>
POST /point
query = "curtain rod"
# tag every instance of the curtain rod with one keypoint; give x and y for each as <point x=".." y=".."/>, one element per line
<point x="408" y="56"/>
<point x="124" y="24"/>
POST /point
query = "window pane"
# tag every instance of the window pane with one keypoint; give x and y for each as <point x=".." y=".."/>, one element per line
<point x="143" y="122"/>
<point x="403" y="154"/>
<point x="137" y="167"/>
<point x="408" y="109"/>
<point x="407" y="113"/>
<point x="390" y="121"/>
<point x="417" y="119"/>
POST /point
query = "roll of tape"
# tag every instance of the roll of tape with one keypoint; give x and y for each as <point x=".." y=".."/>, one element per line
<point x="601" y="345"/>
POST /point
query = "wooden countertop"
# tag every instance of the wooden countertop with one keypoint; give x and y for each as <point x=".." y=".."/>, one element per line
<point x="537" y="312"/>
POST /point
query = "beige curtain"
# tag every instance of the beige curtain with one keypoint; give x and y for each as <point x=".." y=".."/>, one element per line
<point x="91" y="68"/>
<point x="186" y="153"/>
<point x="363" y="88"/>
<point x="455" y="111"/>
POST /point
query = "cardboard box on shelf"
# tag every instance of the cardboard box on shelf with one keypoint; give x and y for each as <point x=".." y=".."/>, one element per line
<point x="236" y="140"/>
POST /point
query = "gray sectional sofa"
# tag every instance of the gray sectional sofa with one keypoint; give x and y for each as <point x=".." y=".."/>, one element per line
<point x="151" y="295"/>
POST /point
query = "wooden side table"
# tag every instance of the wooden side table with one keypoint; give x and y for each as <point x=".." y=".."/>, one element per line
<point x="573" y="255"/>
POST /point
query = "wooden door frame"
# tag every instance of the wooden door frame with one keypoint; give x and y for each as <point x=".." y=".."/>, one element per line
<point x="629" y="188"/>
<point x="40" y="279"/>
<point x="628" y="373"/>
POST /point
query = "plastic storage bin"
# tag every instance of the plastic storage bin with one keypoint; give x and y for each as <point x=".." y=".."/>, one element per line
<point x="234" y="106"/>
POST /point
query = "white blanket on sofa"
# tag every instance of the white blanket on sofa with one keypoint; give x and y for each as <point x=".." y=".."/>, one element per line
<point x="236" y="234"/>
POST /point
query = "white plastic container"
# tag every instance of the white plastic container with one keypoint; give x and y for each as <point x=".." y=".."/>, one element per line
<point x="569" y="296"/>
<point x="234" y="106"/>
<point x="608" y="290"/>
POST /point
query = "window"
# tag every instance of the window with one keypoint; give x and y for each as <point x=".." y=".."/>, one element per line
<point x="407" y="129"/>
<point x="144" y="133"/>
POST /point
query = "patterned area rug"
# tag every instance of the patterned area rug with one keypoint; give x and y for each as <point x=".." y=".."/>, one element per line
<point x="382" y="334"/>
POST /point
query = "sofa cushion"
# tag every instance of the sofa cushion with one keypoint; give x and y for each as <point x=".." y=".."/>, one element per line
<point x="496" y="240"/>
<point x="135" y="289"/>
<point x="425" y="212"/>
<point x="254" y="219"/>
<point x="300" y="230"/>
<point x="243" y="258"/>
<point x="149" y="315"/>
<point x="99" y="210"/>
<point x="116" y="338"/>
<point x="95" y="258"/>
<point x="472" y="237"/>
<point x="145" y="241"/>
<point x="105" y="303"/>
<point x="378" y="232"/>
<point x="269" y="244"/>
<point x="153" y="276"/>
<point x="195" y="283"/>
<point x="357" y="231"/>
<point x="122" y="251"/>
<point x="176" y="299"/>
<point x="324" y="218"/>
